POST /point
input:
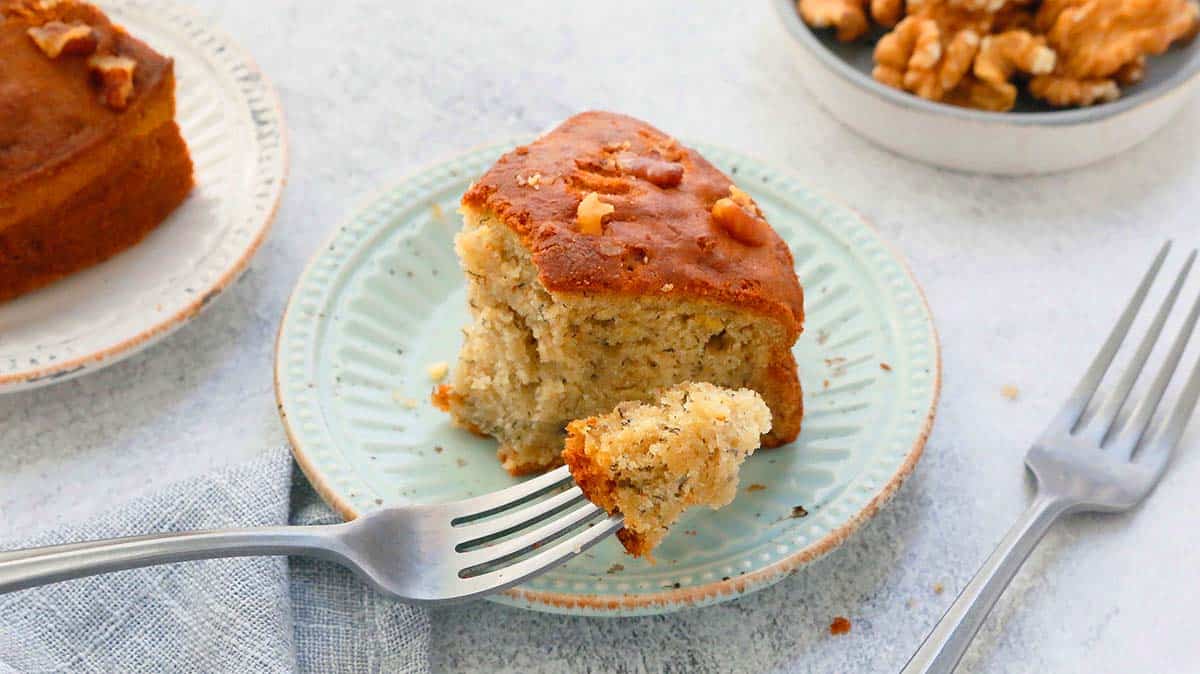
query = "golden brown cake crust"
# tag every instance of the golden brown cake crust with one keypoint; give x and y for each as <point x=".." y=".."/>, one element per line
<point x="110" y="215"/>
<point x="661" y="236"/>
<point x="593" y="481"/>
<point x="50" y="109"/>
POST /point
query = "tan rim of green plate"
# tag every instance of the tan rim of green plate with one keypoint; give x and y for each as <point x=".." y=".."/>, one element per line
<point x="383" y="298"/>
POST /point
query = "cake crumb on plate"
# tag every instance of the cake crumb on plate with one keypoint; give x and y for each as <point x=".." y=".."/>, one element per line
<point x="437" y="371"/>
<point x="403" y="401"/>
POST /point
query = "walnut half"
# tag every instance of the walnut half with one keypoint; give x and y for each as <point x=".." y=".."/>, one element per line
<point x="1000" y="57"/>
<point x="849" y="17"/>
<point x="664" y="174"/>
<point x="922" y="56"/>
<point x="56" y="38"/>
<point x="590" y="214"/>
<point x="115" y="75"/>
<point x="1066" y="91"/>
<point x="738" y="215"/>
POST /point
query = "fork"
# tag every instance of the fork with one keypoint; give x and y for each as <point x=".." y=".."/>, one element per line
<point x="1101" y="462"/>
<point x="422" y="553"/>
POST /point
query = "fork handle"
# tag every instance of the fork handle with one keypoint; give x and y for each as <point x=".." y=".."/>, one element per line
<point x="21" y="569"/>
<point x="945" y="645"/>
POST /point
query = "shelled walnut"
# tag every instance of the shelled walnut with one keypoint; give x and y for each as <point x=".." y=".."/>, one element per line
<point x="1003" y="55"/>
<point x="591" y="212"/>
<point x="115" y="77"/>
<point x="740" y="217"/>
<point x="887" y="13"/>
<point x="977" y="53"/>
<point x="921" y="57"/>
<point x="1104" y="43"/>
<point x="56" y="38"/>
<point x="657" y="171"/>
<point x="849" y="17"/>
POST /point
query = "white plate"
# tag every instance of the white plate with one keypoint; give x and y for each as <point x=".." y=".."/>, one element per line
<point x="233" y="125"/>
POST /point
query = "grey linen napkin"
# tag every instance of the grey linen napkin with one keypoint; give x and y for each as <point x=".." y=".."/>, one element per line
<point x="255" y="614"/>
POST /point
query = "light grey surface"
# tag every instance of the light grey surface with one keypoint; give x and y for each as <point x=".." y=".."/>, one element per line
<point x="1081" y="464"/>
<point x="1023" y="275"/>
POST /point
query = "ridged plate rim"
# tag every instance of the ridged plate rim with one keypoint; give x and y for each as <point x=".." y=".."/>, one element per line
<point x="270" y="158"/>
<point x="312" y="443"/>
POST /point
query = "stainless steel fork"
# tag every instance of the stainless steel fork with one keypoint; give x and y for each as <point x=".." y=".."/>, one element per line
<point x="429" y="553"/>
<point x="1105" y="462"/>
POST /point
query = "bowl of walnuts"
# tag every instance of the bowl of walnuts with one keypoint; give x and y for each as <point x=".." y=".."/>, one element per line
<point x="999" y="86"/>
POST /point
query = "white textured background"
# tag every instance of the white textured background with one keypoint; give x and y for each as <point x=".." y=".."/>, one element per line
<point x="1022" y="275"/>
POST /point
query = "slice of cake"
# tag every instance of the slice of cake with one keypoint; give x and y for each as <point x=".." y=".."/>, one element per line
<point x="605" y="262"/>
<point x="91" y="159"/>
<point x="650" y="462"/>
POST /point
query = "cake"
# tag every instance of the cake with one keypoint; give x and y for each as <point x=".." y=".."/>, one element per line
<point x="652" y="461"/>
<point x="91" y="159"/>
<point x="606" y="261"/>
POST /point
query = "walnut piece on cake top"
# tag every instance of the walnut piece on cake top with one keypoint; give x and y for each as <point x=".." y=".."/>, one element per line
<point x="661" y="229"/>
<point x="604" y="263"/>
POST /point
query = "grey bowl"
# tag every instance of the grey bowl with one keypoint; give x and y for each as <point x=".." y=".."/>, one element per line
<point x="834" y="71"/>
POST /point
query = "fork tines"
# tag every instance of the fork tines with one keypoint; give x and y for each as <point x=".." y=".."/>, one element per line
<point x="511" y="534"/>
<point x="1107" y="428"/>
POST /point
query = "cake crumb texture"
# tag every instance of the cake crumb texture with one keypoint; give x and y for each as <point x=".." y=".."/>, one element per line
<point x="652" y="461"/>
<point x="568" y="323"/>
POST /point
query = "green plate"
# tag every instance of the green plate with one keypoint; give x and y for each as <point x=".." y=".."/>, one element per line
<point x="384" y="298"/>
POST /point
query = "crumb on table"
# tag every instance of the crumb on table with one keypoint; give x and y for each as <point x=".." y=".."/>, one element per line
<point x="756" y="487"/>
<point x="885" y="367"/>
<point x="1009" y="391"/>
<point x="840" y="625"/>
<point x="938" y="588"/>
